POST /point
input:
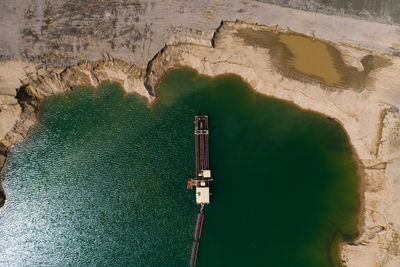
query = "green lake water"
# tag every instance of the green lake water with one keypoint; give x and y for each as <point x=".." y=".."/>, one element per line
<point x="101" y="181"/>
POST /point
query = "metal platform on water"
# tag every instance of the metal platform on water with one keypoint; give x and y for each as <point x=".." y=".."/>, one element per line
<point x="203" y="173"/>
<point x="201" y="180"/>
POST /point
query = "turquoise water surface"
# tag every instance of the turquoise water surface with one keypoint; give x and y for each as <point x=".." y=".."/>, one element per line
<point x="101" y="180"/>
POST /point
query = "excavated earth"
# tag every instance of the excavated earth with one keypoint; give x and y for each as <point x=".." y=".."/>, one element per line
<point x="343" y="68"/>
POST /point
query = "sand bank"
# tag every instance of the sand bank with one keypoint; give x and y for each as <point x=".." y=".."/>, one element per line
<point x="364" y="103"/>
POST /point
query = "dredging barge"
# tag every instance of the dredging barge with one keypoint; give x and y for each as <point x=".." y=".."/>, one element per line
<point x="202" y="178"/>
<point x="203" y="173"/>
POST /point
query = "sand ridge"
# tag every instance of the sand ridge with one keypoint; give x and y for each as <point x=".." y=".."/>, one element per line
<point x="368" y="112"/>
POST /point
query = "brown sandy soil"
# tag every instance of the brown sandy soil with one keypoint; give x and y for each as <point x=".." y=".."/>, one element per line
<point x="355" y="80"/>
<point x="309" y="59"/>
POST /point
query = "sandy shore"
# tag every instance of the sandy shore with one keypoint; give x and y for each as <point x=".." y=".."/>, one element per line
<point x="371" y="121"/>
<point x="367" y="107"/>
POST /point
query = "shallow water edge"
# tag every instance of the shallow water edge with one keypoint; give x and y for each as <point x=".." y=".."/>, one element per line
<point x="334" y="255"/>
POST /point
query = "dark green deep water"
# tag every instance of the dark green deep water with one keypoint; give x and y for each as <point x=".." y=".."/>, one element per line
<point x="101" y="181"/>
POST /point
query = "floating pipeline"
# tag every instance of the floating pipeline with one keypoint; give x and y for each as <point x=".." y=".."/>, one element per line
<point x="193" y="258"/>
<point x="199" y="226"/>
<point x="197" y="235"/>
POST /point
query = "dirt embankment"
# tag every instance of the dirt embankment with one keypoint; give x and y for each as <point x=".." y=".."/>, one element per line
<point x="65" y="32"/>
<point x="355" y="86"/>
<point x="386" y="11"/>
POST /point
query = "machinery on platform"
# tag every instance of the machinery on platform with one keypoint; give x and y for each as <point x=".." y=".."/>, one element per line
<point x="201" y="180"/>
<point x="203" y="173"/>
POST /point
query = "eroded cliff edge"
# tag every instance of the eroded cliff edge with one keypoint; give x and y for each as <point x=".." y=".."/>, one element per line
<point x="366" y="107"/>
<point x="368" y="111"/>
